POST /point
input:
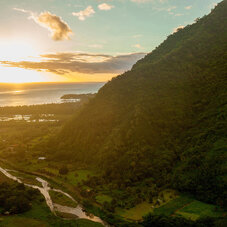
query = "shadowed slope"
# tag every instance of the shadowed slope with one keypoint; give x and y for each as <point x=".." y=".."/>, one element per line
<point x="165" y="118"/>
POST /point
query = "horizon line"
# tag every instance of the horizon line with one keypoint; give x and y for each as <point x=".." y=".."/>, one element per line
<point x="52" y="82"/>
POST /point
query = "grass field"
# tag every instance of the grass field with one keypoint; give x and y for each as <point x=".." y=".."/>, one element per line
<point x="40" y="216"/>
<point x="42" y="213"/>
<point x="183" y="206"/>
<point x="16" y="221"/>
<point x="189" y="208"/>
<point x="26" y="178"/>
<point x="21" y="222"/>
<point x="3" y="179"/>
<point x="61" y="199"/>
<point x="101" y="199"/>
<point x="169" y="203"/>
<point x="137" y="212"/>
<point x="78" y="176"/>
<point x="172" y="206"/>
<point x="197" y="209"/>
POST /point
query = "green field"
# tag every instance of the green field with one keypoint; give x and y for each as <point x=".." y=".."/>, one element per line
<point x="22" y="222"/>
<point x="170" y="203"/>
<point x="78" y="176"/>
<point x="183" y="206"/>
<point x="171" y="207"/>
<point x="3" y="178"/>
<point x="28" y="179"/>
<point x="197" y="209"/>
<point x="61" y="199"/>
<point x="41" y="216"/>
<point x="189" y="208"/>
<point x="137" y="212"/>
<point x="101" y="199"/>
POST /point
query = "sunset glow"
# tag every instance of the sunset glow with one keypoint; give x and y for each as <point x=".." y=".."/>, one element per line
<point x="59" y="41"/>
<point x="17" y="50"/>
<point x="112" y="113"/>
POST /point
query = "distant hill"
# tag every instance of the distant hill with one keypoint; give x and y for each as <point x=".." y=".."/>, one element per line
<point x="165" y="119"/>
<point x="78" y="96"/>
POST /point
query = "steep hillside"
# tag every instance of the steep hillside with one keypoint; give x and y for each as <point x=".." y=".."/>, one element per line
<point x="165" y="119"/>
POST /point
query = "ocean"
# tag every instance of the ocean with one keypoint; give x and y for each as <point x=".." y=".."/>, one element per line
<point x="42" y="93"/>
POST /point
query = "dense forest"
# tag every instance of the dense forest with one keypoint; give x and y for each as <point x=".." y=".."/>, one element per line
<point x="164" y="121"/>
<point x="15" y="198"/>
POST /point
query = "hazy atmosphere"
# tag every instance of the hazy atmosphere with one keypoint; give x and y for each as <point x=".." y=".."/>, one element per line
<point x="113" y="113"/>
<point x="74" y="40"/>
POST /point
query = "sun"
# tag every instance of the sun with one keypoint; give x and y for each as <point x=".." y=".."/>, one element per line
<point x="17" y="50"/>
<point x="21" y="50"/>
<point x="16" y="75"/>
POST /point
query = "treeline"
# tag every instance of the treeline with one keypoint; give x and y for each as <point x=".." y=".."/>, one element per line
<point x="16" y="198"/>
<point x="151" y="220"/>
<point x="61" y="108"/>
<point x="79" y="96"/>
<point x="164" y="221"/>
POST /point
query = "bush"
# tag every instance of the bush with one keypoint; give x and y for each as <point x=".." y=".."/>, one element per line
<point x="63" y="170"/>
<point x="16" y="198"/>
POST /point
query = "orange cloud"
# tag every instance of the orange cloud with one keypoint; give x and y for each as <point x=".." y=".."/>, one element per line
<point x="84" y="63"/>
<point x="59" y="29"/>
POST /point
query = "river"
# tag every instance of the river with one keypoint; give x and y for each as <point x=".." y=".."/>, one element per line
<point x="44" y="190"/>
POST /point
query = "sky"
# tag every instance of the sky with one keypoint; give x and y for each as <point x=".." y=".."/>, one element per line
<point x="85" y="40"/>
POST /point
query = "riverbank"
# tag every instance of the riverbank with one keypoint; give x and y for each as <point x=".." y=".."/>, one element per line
<point x="27" y="148"/>
<point x="74" y="183"/>
<point x="77" y="212"/>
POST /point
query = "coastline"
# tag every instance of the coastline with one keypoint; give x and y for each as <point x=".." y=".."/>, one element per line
<point x="42" y="93"/>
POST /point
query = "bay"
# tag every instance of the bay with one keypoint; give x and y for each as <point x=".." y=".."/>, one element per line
<point x="42" y="93"/>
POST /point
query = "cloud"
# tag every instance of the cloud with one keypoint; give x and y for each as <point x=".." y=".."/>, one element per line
<point x="178" y="14"/>
<point x="98" y="46"/>
<point x="171" y="8"/>
<point x="83" y="14"/>
<point x="74" y="62"/>
<point x="105" y="6"/>
<point x="137" y="36"/>
<point x="188" y="7"/>
<point x="178" y="28"/>
<point x="138" y="46"/>
<point x="145" y="1"/>
<point x="59" y="29"/>
<point x="22" y="10"/>
<point x="140" y="1"/>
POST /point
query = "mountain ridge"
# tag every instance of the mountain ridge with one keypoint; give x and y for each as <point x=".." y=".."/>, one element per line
<point x="164" y="119"/>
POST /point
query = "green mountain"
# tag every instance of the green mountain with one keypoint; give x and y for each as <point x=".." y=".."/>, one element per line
<point x="164" y="120"/>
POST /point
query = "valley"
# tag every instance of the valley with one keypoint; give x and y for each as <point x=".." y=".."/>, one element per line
<point x="97" y="198"/>
<point x="147" y="150"/>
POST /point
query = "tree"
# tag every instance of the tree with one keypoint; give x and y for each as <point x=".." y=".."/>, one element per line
<point x="63" y="170"/>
